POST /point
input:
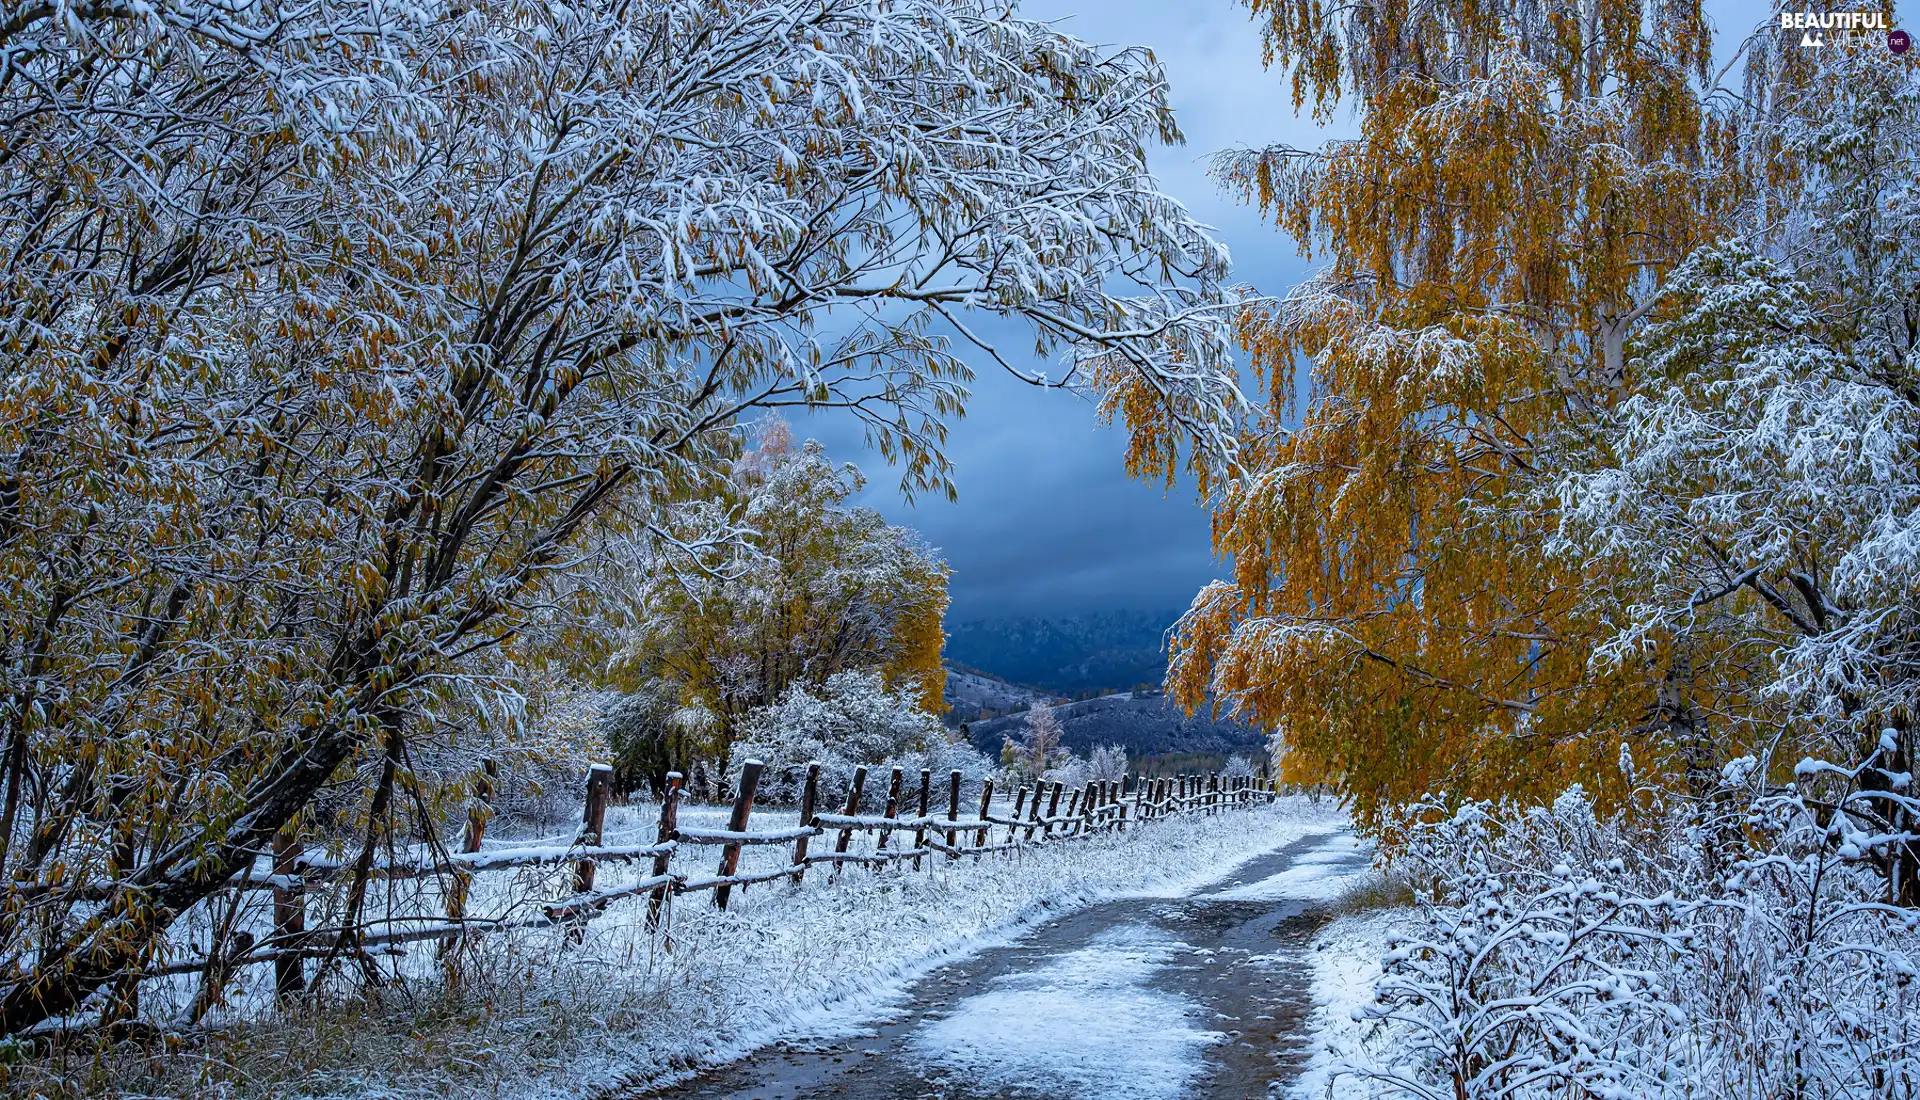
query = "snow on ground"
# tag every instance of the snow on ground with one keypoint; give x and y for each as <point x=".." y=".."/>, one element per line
<point x="1346" y="960"/>
<point x="1321" y="874"/>
<point x="1084" y="1025"/>
<point x="803" y="963"/>
<point x="541" y="1017"/>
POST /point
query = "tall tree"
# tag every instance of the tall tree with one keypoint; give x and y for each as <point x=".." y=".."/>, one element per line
<point x="1526" y="175"/>
<point x="1761" y="482"/>
<point x="330" y="331"/>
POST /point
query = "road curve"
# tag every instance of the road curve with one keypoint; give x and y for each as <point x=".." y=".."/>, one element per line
<point x="1204" y="997"/>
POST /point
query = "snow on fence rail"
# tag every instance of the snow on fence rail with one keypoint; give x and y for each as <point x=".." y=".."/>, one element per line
<point x="1099" y="807"/>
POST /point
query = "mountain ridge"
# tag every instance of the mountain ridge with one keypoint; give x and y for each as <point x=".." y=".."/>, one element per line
<point x="1072" y="655"/>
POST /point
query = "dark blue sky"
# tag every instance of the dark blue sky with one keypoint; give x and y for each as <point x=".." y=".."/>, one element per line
<point x="1047" y="522"/>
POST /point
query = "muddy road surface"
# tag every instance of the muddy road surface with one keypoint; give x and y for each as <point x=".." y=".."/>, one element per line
<point x="1204" y="997"/>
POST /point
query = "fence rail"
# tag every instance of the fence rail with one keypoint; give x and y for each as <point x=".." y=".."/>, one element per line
<point x="1097" y="808"/>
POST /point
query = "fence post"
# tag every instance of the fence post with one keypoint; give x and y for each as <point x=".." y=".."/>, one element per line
<point x="478" y="813"/>
<point x="599" y="790"/>
<point x="1073" y="802"/>
<point x="737" y="823"/>
<point x="1053" y="810"/>
<point x="289" y="917"/>
<point x="892" y="811"/>
<point x="953" y="814"/>
<point x="986" y="807"/>
<point x="920" y="832"/>
<point x="853" y="808"/>
<point x="669" y="821"/>
<point x="808" y="794"/>
<point x="1019" y="807"/>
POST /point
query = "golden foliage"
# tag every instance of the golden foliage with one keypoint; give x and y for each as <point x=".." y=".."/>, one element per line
<point x="812" y="588"/>
<point x="1524" y="175"/>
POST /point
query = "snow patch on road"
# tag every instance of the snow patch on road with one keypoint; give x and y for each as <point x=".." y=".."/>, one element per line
<point x="1084" y="1025"/>
<point x="1320" y="874"/>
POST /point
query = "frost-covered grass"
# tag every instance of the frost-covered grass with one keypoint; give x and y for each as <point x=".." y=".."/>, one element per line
<point x="534" y="1016"/>
<point x="1346" y="962"/>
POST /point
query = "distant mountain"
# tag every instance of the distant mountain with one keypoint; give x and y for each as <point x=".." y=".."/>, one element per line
<point x="975" y="695"/>
<point x="1144" y="723"/>
<point x="1070" y="655"/>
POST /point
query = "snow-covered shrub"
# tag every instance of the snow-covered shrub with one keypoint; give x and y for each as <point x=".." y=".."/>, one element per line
<point x="1238" y="767"/>
<point x="852" y="718"/>
<point x="1107" y="764"/>
<point x="1561" y="953"/>
<point x="1068" y="770"/>
<point x="650" y="732"/>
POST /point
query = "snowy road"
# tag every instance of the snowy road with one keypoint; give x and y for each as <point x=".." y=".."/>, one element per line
<point x="1195" y="997"/>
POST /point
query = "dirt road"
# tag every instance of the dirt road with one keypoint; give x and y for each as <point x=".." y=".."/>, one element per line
<point x="1189" y="998"/>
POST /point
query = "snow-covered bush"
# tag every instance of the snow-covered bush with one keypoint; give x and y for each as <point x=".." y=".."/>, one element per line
<point x="1238" y="767"/>
<point x="851" y="719"/>
<point x="1561" y="953"/>
<point x="1107" y="763"/>
<point x="543" y="771"/>
<point x="650" y="732"/>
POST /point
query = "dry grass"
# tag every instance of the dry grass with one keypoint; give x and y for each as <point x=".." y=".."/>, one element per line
<point x="1373" y="891"/>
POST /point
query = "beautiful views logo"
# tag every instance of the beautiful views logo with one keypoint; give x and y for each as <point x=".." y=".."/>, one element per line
<point x="1844" y="28"/>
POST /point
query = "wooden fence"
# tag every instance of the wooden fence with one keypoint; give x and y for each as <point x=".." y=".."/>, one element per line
<point x="924" y="837"/>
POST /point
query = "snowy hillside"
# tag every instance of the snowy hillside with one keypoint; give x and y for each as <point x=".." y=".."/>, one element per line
<point x="974" y="695"/>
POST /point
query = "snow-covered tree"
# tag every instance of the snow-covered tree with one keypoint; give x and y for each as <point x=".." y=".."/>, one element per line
<point x="1107" y="763"/>
<point x="851" y="718"/>
<point x="1606" y="380"/>
<point x="1036" y="750"/>
<point x="1522" y="175"/>
<point x="811" y="587"/>
<point x="334" y="331"/>
<point x="1238" y="767"/>
<point x="1758" y="504"/>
